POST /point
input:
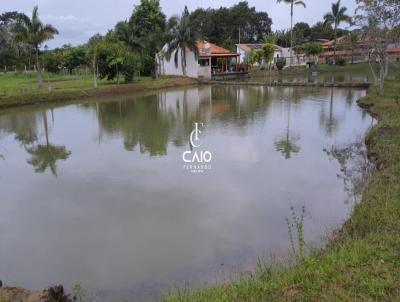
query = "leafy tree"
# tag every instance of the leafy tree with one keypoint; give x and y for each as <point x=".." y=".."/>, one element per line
<point x="124" y="32"/>
<point x="335" y="17"/>
<point x="148" y="32"/>
<point x="268" y="51"/>
<point x="52" y="61"/>
<point x="224" y="24"/>
<point x="313" y="49"/>
<point x="34" y="32"/>
<point x="380" y="20"/>
<point x="301" y="32"/>
<point x="114" y="58"/>
<point x="75" y="57"/>
<point x="93" y="52"/>
<point x="255" y="56"/>
<point x="292" y="4"/>
<point x="184" y="38"/>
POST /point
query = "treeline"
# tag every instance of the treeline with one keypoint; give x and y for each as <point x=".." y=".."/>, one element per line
<point x="129" y="48"/>
<point x="134" y="41"/>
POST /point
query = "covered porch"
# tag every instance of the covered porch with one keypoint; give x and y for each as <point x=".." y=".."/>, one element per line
<point x="224" y="66"/>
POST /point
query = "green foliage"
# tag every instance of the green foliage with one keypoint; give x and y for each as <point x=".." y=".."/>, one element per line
<point x="222" y="25"/>
<point x="340" y="61"/>
<point x="75" y="57"/>
<point x="255" y="57"/>
<point x="309" y="49"/>
<point x="52" y="61"/>
<point x="268" y="51"/>
<point x="184" y="37"/>
<point x="131" y="65"/>
<point x="32" y="30"/>
<point x="115" y="58"/>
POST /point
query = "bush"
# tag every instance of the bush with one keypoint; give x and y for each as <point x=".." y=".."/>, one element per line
<point x="130" y="65"/>
<point x="340" y="61"/>
<point x="52" y="61"/>
<point x="280" y="63"/>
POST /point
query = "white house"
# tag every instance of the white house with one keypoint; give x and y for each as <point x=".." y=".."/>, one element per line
<point x="245" y="49"/>
<point x="213" y="60"/>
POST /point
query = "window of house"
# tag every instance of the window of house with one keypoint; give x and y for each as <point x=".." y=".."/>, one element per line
<point x="204" y="62"/>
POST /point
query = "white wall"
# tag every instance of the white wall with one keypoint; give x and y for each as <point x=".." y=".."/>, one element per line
<point x="165" y="67"/>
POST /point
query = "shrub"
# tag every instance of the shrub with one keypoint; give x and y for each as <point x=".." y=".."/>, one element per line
<point x="280" y="63"/>
<point x="340" y="61"/>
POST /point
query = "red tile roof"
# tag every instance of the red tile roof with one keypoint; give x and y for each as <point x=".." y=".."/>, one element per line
<point x="213" y="50"/>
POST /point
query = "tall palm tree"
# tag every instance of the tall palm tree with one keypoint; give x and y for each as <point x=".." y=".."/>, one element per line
<point x="183" y="38"/>
<point x="33" y="32"/>
<point x="335" y="17"/>
<point x="292" y="4"/>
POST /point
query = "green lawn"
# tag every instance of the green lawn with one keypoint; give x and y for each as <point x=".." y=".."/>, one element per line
<point x="22" y="89"/>
<point x="362" y="261"/>
<point x="27" y="83"/>
<point x="325" y="70"/>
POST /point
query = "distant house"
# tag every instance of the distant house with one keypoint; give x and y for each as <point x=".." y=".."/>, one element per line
<point x="245" y="49"/>
<point x="359" y="54"/>
<point x="213" y="61"/>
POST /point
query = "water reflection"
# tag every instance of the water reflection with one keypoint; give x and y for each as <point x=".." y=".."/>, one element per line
<point x="124" y="219"/>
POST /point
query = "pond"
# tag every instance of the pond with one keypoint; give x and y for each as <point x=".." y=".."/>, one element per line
<point x="98" y="192"/>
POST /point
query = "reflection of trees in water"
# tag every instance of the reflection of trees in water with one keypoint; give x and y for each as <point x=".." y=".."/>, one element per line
<point x="24" y="124"/>
<point x="44" y="156"/>
<point x="152" y="121"/>
<point x="286" y="144"/>
<point x="328" y="121"/>
<point x="355" y="170"/>
<point x="141" y="122"/>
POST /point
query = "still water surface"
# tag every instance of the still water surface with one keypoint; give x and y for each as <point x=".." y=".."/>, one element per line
<point x="95" y="192"/>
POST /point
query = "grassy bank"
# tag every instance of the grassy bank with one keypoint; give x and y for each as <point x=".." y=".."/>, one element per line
<point x="324" y="70"/>
<point x="362" y="261"/>
<point x="22" y="89"/>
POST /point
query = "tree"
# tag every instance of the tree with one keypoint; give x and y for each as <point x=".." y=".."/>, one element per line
<point x="34" y="32"/>
<point x="184" y="38"/>
<point x="227" y="24"/>
<point x="93" y="51"/>
<point x="268" y="51"/>
<point x="148" y="29"/>
<point x="75" y="57"/>
<point x="292" y="4"/>
<point x="380" y="20"/>
<point x="313" y="49"/>
<point x="114" y="58"/>
<point x="335" y="17"/>
<point x="301" y="32"/>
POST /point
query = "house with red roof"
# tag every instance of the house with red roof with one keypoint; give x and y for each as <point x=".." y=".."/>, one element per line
<point x="213" y="61"/>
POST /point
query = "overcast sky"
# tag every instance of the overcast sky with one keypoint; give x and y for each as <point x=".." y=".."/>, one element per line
<point x="77" y="20"/>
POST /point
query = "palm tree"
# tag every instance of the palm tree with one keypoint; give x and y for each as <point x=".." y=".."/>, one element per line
<point x="33" y="32"/>
<point x="183" y="38"/>
<point x="292" y="4"/>
<point x="335" y="17"/>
